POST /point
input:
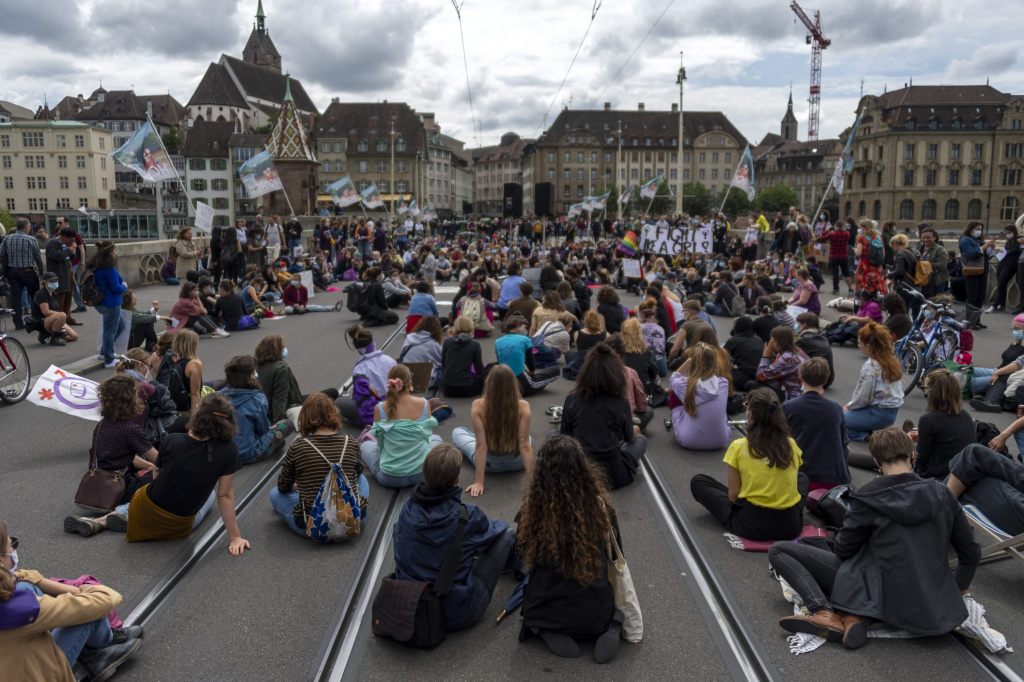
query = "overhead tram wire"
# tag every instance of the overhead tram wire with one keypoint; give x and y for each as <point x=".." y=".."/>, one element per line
<point x="593" y="15"/>
<point x="465" y="65"/>
<point x="637" y="48"/>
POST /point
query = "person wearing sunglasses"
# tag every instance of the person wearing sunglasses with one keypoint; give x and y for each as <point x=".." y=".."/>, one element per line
<point x="46" y="627"/>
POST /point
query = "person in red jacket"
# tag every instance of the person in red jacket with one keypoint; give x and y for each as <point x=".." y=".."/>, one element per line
<point x="296" y="300"/>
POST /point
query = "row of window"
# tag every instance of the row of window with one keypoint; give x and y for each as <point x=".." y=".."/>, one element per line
<point x="1011" y="177"/>
<point x="218" y="203"/>
<point x="214" y="164"/>
<point x="381" y="145"/>
<point x="35" y="139"/>
<point x="957" y="123"/>
<point x="39" y="161"/>
<point x="43" y="204"/>
<point x="217" y="185"/>
<point x="1008" y="211"/>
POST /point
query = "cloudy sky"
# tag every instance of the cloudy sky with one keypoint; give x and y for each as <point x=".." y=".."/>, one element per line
<point x="740" y="57"/>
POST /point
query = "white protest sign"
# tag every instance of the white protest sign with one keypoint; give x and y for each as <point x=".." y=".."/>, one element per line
<point x="671" y="241"/>
<point x="306" y="277"/>
<point x="67" y="393"/>
<point x="204" y="217"/>
<point x="631" y="268"/>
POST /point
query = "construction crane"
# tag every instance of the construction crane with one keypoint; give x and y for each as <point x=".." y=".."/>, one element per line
<point x="818" y="42"/>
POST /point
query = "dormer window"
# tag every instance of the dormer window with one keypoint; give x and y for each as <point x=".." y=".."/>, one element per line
<point x="362" y="145"/>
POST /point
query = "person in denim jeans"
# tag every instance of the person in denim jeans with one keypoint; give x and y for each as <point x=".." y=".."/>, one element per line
<point x="500" y="439"/>
<point x="110" y="283"/>
<point x="878" y="395"/>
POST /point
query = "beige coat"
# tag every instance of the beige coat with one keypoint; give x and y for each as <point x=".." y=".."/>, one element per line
<point x="29" y="653"/>
<point x="188" y="258"/>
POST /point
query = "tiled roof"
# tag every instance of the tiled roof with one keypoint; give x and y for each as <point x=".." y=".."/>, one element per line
<point x="16" y="111"/>
<point x="267" y="84"/>
<point x="119" y="105"/>
<point x="208" y="139"/>
<point x="288" y="140"/>
<point x="216" y="87"/>
<point x="261" y="41"/>
<point x="372" y="121"/>
<point x="944" y="106"/>
<point x="506" y="152"/>
<point x="68" y="108"/>
<point x="605" y="123"/>
<point x="247" y="140"/>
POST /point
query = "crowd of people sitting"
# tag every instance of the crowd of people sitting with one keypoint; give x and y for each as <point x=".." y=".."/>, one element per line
<point x="176" y="437"/>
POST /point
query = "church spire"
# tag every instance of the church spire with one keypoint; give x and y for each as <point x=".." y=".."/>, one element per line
<point x="788" y="128"/>
<point x="261" y="18"/>
<point x="288" y="88"/>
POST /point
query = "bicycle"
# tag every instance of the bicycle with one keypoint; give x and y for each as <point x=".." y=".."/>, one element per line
<point x="941" y="346"/>
<point x="15" y="370"/>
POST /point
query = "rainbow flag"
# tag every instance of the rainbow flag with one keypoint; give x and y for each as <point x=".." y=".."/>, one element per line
<point x="629" y="245"/>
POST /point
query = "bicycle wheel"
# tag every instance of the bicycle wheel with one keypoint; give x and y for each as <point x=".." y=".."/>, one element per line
<point x="15" y="371"/>
<point x="912" y="364"/>
<point x="943" y="348"/>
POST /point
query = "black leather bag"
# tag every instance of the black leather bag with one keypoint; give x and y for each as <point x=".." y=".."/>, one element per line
<point x="409" y="611"/>
<point x="832" y="506"/>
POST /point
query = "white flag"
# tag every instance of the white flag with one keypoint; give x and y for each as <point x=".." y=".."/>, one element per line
<point x="67" y="393"/>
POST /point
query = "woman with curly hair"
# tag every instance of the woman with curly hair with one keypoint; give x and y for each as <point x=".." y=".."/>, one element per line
<point x="118" y="443"/>
<point x="196" y="469"/>
<point x="597" y="414"/>
<point x="565" y="527"/>
<point x="878" y="395"/>
<point x="762" y="500"/>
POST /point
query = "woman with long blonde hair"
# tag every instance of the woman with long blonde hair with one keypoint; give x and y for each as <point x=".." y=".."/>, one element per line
<point x="878" y="395"/>
<point x="565" y="526"/>
<point x="638" y="354"/>
<point x="403" y="433"/>
<point x="500" y="438"/>
<point x="699" y="421"/>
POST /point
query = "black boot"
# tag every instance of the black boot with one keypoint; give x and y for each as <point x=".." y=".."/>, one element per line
<point x="606" y="646"/>
<point x="103" y="663"/>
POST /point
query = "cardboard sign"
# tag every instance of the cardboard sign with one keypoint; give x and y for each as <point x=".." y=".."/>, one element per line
<point x="306" y="277"/>
<point x="671" y="241"/>
<point x="204" y="217"/>
<point x="631" y="268"/>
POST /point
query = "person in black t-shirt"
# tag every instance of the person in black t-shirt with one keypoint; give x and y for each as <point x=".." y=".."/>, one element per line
<point x="745" y="349"/>
<point x="46" y="310"/>
<point x="230" y="309"/>
<point x="195" y="469"/>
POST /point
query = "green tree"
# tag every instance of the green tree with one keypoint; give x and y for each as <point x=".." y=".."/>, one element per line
<point x="697" y="199"/>
<point x="171" y="140"/>
<point x="663" y="203"/>
<point x="776" y="198"/>
<point x="7" y="220"/>
<point x="736" y="203"/>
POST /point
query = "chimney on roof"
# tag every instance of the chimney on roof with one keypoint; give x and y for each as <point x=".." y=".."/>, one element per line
<point x="675" y="107"/>
<point x="607" y="106"/>
<point x="335" y="100"/>
<point x="640" y="107"/>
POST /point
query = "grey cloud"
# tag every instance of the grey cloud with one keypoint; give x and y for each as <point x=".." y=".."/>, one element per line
<point x="48" y="22"/>
<point x="989" y="60"/>
<point x="193" y="28"/>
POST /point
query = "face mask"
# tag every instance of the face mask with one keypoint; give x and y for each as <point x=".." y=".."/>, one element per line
<point x="1018" y="334"/>
<point x="52" y="286"/>
<point x="14" y="561"/>
<point x="976" y="233"/>
<point x="284" y="352"/>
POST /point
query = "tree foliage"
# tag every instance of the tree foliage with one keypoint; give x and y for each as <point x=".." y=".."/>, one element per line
<point x="776" y="198"/>
<point x="736" y="203"/>
<point x="697" y="199"/>
<point x="171" y="140"/>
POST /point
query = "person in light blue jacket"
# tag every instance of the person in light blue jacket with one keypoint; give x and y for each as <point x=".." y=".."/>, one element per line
<point x="254" y="435"/>
<point x="109" y="283"/>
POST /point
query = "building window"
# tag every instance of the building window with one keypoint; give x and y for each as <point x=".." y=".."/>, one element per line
<point x="382" y="145"/>
<point x="701" y="158"/>
<point x="400" y="145"/>
<point x="979" y="151"/>
<point x="908" y="178"/>
<point x="911" y="123"/>
<point x="63" y="202"/>
<point x="382" y="166"/>
<point x="634" y="174"/>
<point x="7" y="162"/>
<point x="1011" y="177"/>
<point x="400" y="166"/>
<point x="32" y="139"/>
<point x="10" y="204"/>
<point x="198" y="185"/>
<point x="952" y="210"/>
<point x="30" y="182"/>
<point x="1015" y="124"/>
<point x="975" y="177"/>
<point x="933" y="151"/>
<point x="40" y="162"/>
<point x="363" y="165"/>
<point x="62" y="141"/>
<point x="906" y="210"/>
<point x="82" y="184"/>
<point x="362" y="146"/>
<point x="551" y="173"/>
<point x="5" y="141"/>
<point x="566" y="192"/>
<point x="79" y="161"/>
<point x="1010" y="209"/>
<point x="8" y="182"/>
<point x="954" y="176"/>
<point x="218" y="164"/>
<point x="80" y="141"/>
<point x="931" y="177"/>
<point x="878" y="179"/>
<point x="551" y="157"/>
<point x="1014" y="150"/>
<point x="974" y="209"/>
<point x="928" y="208"/>
<point x="221" y="203"/>
<point x="954" y="151"/>
<point x="197" y="164"/>
<point x="876" y="212"/>
<point x="219" y="185"/>
<point x="908" y="151"/>
<point x="700" y="174"/>
<point x="64" y="183"/>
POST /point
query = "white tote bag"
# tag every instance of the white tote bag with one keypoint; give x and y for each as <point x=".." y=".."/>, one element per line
<point x="625" y="595"/>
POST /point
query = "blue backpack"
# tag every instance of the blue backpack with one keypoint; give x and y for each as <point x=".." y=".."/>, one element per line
<point x="335" y="515"/>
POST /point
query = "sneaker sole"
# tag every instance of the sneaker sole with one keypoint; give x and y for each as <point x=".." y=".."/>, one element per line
<point x="116" y="523"/>
<point x="856" y="636"/>
<point x="78" y="527"/>
<point x="807" y="628"/>
<point x="109" y="671"/>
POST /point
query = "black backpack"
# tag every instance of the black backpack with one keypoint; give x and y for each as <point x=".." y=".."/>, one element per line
<point x="91" y="295"/>
<point x="358" y="297"/>
<point x="171" y="374"/>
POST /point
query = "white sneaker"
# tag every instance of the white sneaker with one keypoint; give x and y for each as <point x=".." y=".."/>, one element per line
<point x="989" y="309"/>
<point x="220" y="334"/>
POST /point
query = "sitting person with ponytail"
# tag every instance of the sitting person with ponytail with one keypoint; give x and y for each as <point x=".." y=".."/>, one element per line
<point x="761" y="501"/>
<point x="403" y="433"/>
<point x="700" y="422"/>
<point x="196" y="469"/>
<point x="500" y="439"/>
<point x="878" y="395"/>
<point x="369" y="379"/>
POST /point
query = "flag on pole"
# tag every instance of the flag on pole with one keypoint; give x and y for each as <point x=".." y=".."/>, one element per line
<point x="429" y="213"/>
<point x="414" y="209"/>
<point x="601" y="201"/>
<point x="588" y="203"/>
<point x="629" y="244"/>
<point x="65" y="392"/>
<point x="259" y="175"/>
<point x="343" y="192"/>
<point x="371" y="197"/>
<point x="402" y="207"/>
<point x="575" y="210"/>
<point x="649" y="189"/>
<point x="626" y="196"/>
<point x="844" y="164"/>
<point x="743" y="178"/>
<point x="144" y="153"/>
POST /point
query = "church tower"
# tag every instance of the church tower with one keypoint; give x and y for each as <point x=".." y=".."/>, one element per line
<point x="789" y="124"/>
<point x="260" y="50"/>
<point x="294" y="158"/>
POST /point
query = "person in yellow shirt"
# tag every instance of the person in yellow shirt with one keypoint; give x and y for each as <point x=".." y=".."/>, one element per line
<point x="762" y="499"/>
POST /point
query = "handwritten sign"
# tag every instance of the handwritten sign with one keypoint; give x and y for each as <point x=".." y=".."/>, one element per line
<point x="631" y="268"/>
<point x="671" y="241"/>
<point x="204" y="217"/>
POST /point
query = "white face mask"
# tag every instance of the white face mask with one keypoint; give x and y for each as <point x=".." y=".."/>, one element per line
<point x="284" y="352"/>
<point x="976" y="233"/>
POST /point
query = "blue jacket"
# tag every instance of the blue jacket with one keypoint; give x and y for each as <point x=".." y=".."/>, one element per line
<point x="423" y="304"/>
<point x="254" y="433"/>
<point x="509" y="290"/>
<point x="110" y="283"/>
<point x="425" y="528"/>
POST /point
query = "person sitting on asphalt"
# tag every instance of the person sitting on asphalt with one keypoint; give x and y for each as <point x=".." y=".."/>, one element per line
<point x="745" y="349"/>
<point x="891" y="558"/>
<point x="255" y="437"/>
<point x="638" y="354"/>
<point x="188" y="313"/>
<point x="462" y="366"/>
<point x="515" y="350"/>
<point x="878" y="395"/>
<point x="566" y="524"/>
<point x="477" y="309"/>
<point x="377" y="313"/>
<point x="403" y="433"/>
<point x="819" y="429"/>
<point x="525" y="303"/>
<point x="395" y="293"/>
<point x="653" y="334"/>
<point x="991" y="482"/>
<point x="143" y="327"/>
<point x="597" y="414"/>
<point x="636" y="393"/>
<point x="423" y="302"/>
<point x="780" y="364"/>
<point x="610" y="309"/>
<point x="181" y="371"/>
<point x="500" y="438"/>
<point x="896" y="317"/>
<point x="196" y="469"/>
<point x="296" y="299"/>
<point x="693" y="311"/>
<point x="944" y="429"/>
<point x="813" y="343"/>
<point x="229" y="309"/>
<point x="369" y="379"/>
<point x="989" y="384"/>
<point x="427" y="526"/>
<point x="53" y="324"/>
<point x="762" y="498"/>
<point x="699" y="421"/>
<point x="49" y="626"/>
<point x="310" y="456"/>
<point x="423" y="344"/>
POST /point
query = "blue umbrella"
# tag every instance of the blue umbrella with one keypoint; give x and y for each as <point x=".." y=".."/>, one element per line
<point x="515" y="600"/>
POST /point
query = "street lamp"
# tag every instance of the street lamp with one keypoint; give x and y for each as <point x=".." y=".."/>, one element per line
<point x="680" y="80"/>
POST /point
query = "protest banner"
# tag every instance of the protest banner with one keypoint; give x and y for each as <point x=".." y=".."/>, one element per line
<point x="671" y="241"/>
<point x="68" y="393"/>
<point x="204" y="217"/>
<point x="631" y="268"/>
